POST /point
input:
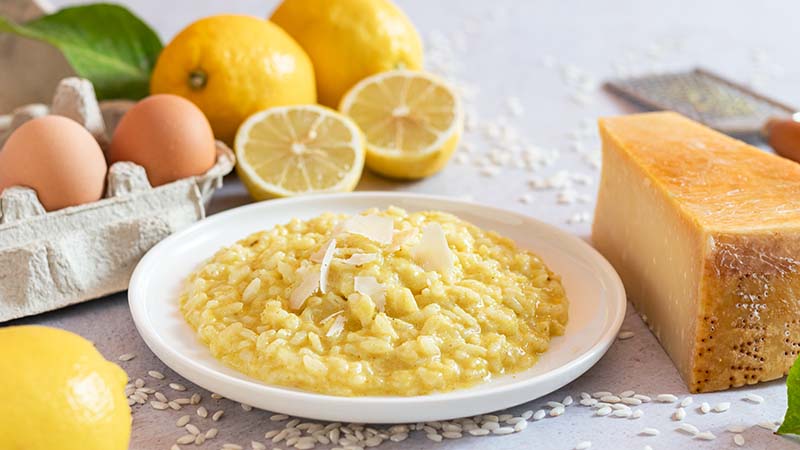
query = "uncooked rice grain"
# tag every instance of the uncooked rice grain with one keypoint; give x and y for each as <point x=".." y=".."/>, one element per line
<point x="754" y="398"/>
<point x="185" y="439"/>
<point x="688" y="428"/>
<point x="722" y="407"/>
<point x="705" y="436"/>
<point x="666" y="398"/>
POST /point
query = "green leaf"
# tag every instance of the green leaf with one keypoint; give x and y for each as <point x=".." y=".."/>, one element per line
<point x="791" y="422"/>
<point x="104" y="43"/>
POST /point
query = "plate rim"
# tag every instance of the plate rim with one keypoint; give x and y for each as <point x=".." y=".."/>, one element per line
<point x="565" y="373"/>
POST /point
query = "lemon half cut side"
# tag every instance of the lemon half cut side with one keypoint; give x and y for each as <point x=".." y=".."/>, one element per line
<point x="297" y="150"/>
<point x="412" y="122"/>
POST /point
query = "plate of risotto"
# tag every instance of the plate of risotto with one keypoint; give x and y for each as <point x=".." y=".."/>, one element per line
<point x="376" y="307"/>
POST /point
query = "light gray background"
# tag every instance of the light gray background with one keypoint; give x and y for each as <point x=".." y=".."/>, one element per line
<point x="538" y="52"/>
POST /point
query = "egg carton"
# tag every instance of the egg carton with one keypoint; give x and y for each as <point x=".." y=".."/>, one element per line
<point x="49" y="260"/>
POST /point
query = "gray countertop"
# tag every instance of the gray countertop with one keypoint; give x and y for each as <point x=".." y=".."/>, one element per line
<point x="549" y="58"/>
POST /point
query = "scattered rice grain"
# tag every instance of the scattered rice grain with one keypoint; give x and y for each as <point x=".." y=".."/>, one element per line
<point x="705" y="436"/>
<point x="688" y="428"/>
<point x="159" y="405"/>
<point x="754" y="398"/>
<point x="623" y="335"/>
<point x="666" y="398"/>
<point x="185" y="439"/>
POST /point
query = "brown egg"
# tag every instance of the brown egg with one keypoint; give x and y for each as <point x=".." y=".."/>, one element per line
<point x="167" y="135"/>
<point x="57" y="158"/>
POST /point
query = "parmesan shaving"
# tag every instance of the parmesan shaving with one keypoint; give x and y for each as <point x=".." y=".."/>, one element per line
<point x="319" y="254"/>
<point x="432" y="252"/>
<point x="400" y="238"/>
<point x="360" y="258"/>
<point x="374" y="228"/>
<point x="370" y="286"/>
<point x="325" y="265"/>
<point x="308" y="286"/>
<point x="336" y="327"/>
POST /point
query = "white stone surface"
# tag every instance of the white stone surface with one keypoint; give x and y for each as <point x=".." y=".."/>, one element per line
<point x="550" y="56"/>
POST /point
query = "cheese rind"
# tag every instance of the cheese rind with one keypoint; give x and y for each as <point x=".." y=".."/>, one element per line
<point x="704" y="231"/>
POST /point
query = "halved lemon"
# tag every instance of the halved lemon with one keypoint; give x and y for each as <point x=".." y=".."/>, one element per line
<point x="412" y="122"/>
<point x="295" y="150"/>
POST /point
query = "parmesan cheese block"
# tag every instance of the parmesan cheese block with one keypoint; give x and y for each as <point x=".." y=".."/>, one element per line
<point x="705" y="232"/>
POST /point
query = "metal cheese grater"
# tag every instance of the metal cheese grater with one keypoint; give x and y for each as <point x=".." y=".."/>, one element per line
<point x="719" y="103"/>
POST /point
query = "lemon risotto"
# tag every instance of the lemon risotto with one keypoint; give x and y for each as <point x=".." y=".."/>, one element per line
<point x="381" y="303"/>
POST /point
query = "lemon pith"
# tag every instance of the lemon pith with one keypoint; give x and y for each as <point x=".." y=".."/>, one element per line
<point x="348" y="40"/>
<point x="232" y="66"/>
<point x="298" y="150"/>
<point x="59" y="392"/>
<point x="412" y="122"/>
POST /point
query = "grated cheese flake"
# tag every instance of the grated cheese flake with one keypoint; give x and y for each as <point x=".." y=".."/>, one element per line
<point x="370" y="286"/>
<point x="400" y="238"/>
<point x="325" y="265"/>
<point x="309" y="284"/>
<point x="358" y="259"/>
<point x="336" y="327"/>
<point x="319" y="254"/>
<point x="372" y="227"/>
<point x="432" y="252"/>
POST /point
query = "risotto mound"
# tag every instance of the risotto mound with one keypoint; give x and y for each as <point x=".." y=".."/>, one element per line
<point x="381" y="303"/>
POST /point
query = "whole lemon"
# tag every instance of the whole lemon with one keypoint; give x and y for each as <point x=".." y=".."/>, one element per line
<point x="57" y="391"/>
<point x="232" y="66"/>
<point x="349" y="40"/>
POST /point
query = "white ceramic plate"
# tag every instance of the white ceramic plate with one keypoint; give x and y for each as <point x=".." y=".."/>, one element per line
<point x="595" y="292"/>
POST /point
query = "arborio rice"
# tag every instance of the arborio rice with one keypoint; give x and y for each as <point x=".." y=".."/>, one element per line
<point x="383" y="303"/>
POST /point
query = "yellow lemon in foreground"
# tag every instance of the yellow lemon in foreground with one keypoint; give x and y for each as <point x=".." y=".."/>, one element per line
<point x="412" y="122"/>
<point x="58" y="392"/>
<point x="348" y="40"/>
<point x="232" y="66"/>
<point x="295" y="150"/>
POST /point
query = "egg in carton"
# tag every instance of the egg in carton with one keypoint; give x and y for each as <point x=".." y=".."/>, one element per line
<point x="49" y="260"/>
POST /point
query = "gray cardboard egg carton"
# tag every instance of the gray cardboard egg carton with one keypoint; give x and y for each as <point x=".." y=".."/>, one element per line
<point x="49" y="260"/>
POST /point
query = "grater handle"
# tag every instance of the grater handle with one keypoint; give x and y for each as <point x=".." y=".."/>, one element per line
<point x="783" y="135"/>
